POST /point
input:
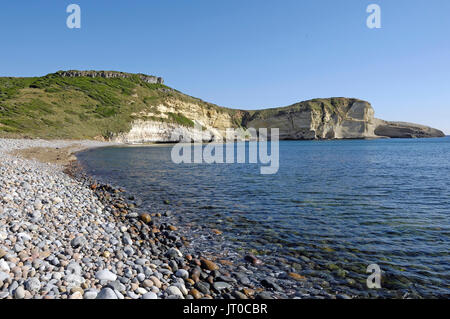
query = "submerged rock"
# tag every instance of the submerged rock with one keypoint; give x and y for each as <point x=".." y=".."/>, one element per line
<point x="208" y="264"/>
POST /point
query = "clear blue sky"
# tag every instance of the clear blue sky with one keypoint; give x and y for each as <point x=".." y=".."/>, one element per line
<point x="249" y="53"/>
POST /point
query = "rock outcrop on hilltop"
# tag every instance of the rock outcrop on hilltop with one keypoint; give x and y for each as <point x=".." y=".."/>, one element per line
<point x="110" y="75"/>
<point x="139" y="108"/>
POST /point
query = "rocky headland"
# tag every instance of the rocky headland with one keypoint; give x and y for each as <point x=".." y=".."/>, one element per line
<point x="139" y="108"/>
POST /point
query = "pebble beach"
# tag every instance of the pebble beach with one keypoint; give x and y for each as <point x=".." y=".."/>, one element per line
<point x="66" y="236"/>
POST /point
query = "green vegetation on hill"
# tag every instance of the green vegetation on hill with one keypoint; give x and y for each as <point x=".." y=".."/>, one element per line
<point x="55" y="106"/>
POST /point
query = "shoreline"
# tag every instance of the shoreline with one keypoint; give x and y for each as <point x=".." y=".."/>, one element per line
<point x="81" y="239"/>
<point x="66" y="235"/>
<point x="294" y="279"/>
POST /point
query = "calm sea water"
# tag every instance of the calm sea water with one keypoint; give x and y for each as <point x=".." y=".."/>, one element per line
<point x="333" y="208"/>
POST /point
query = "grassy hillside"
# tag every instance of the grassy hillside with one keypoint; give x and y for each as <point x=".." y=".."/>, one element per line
<point x="55" y="106"/>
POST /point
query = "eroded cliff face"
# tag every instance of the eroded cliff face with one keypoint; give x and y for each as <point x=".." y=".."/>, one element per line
<point x="334" y="118"/>
<point x="337" y="118"/>
<point x="153" y="131"/>
<point x="206" y="123"/>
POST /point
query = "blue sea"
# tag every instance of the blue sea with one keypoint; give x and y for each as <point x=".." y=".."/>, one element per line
<point x="333" y="208"/>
